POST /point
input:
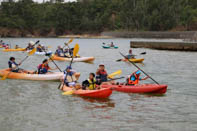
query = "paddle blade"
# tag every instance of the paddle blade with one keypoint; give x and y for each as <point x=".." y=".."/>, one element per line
<point x="32" y="51"/>
<point x="143" y="53"/>
<point x="68" y="92"/>
<point x="70" y="41"/>
<point x="76" y="50"/>
<point x="52" y="56"/>
<point x="4" y="77"/>
<point x="115" y="73"/>
<point x="118" y="60"/>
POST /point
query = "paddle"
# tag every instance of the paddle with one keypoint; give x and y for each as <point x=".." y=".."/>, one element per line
<point x="67" y="44"/>
<point x="143" y="53"/>
<point x="115" y="79"/>
<point x="118" y="72"/>
<point x="75" y="51"/>
<point x="140" y="69"/>
<point x="29" y="54"/>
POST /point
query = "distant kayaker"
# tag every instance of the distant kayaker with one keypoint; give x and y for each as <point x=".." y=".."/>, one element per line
<point x="59" y="52"/>
<point x="112" y="44"/>
<point x="67" y="53"/>
<point x="101" y="74"/>
<point x="130" y="55"/>
<point x="69" y="78"/>
<point x="90" y="83"/>
<point x="7" y="46"/>
<point x="44" y="67"/>
<point x="14" y="66"/>
<point x="30" y="46"/>
<point x="134" y="78"/>
<point x="39" y="48"/>
<point x="16" y="47"/>
<point x="2" y="43"/>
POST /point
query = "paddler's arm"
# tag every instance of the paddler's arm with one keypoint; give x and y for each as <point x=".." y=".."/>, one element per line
<point x="53" y="68"/>
<point x="144" y="78"/>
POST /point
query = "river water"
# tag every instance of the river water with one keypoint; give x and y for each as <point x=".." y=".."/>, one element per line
<point x="39" y="106"/>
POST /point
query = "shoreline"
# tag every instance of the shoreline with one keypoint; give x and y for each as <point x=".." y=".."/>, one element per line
<point x="186" y="35"/>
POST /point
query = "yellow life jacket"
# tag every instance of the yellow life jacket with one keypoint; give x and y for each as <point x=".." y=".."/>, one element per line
<point x="92" y="84"/>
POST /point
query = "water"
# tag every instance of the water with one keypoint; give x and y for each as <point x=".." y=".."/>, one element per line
<point x="39" y="106"/>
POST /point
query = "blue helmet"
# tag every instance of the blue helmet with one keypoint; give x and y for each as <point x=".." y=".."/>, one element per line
<point x="138" y="72"/>
<point x="68" y="67"/>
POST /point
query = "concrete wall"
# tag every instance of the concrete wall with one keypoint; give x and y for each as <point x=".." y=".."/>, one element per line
<point x="182" y="46"/>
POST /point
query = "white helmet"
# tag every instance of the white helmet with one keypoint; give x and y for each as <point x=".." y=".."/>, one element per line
<point x="31" y="42"/>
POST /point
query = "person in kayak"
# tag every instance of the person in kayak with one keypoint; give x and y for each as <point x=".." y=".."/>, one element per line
<point x="16" y="47"/>
<point x="90" y="83"/>
<point x="30" y="46"/>
<point x="39" y="48"/>
<point x="101" y="74"/>
<point x="14" y="66"/>
<point x="44" y="67"/>
<point x="59" y="52"/>
<point x="134" y="78"/>
<point x="7" y="46"/>
<point x="112" y="44"/>
<point x="67" y="53"/>
<point x="69" y="78"/>
<point x="130" y="55"/>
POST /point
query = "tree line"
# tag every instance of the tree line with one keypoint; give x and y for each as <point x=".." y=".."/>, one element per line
<point x="95" y="16"/>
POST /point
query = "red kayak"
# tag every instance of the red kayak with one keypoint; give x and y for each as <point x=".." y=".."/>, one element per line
<point x="143" y="88"/>
<point x="100" y="93"/>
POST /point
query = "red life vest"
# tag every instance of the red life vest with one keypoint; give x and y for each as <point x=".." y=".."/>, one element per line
<point x="137" y="78"/>
<point x="41" y="66"/>
<point x="102" y="72"/>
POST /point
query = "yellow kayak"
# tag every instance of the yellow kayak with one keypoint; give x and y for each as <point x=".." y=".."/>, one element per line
<point x="9" y="50"/>
<point x="134" y="60"/>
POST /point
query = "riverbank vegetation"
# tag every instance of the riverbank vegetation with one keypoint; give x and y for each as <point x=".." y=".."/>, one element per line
<point x="27" y="18"/>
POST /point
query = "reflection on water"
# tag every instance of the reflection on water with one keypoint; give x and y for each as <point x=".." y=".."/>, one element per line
<point x="35" y="105"/>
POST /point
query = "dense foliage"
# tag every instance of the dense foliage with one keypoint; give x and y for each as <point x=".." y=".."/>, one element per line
<point x="94" y="16"/>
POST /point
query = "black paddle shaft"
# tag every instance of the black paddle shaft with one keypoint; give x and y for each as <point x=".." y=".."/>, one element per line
<point x="140" y="69"/>
<point x="27" y="55"/>
<point x="53" y="62"/>
<point x="60" y="85"/>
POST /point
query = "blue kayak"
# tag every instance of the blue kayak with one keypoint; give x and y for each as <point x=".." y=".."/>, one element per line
<point x="109" y="47"/>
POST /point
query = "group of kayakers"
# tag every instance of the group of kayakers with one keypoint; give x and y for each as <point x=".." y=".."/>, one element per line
<point x="39" y="48"/>
<point x="61" y="52"/>
<point x="98" y="78"/>
<point x="101" y="77"/>
<point x="41" y="69"/>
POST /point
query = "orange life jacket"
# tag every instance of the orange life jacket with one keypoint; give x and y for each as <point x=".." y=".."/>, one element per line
<point x="136" y="81"/>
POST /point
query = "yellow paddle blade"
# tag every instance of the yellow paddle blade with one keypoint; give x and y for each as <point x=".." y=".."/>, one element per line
<point x="114" y="74"/>
<point x="32" y="51"/>
<point x="4" y="77"/>
<point x="70" y="41"/>
<point x="68" y="92"/>
<point x="52" y="56"/>
<point x="49" y="46"/>
<point x="76" y="50"/>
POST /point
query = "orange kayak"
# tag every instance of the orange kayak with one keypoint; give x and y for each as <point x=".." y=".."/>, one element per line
<point x="41" y="77"/>
<point x="141" y="88"/>
<point x="100" y="93"/>
<point x="80" y="59"/>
